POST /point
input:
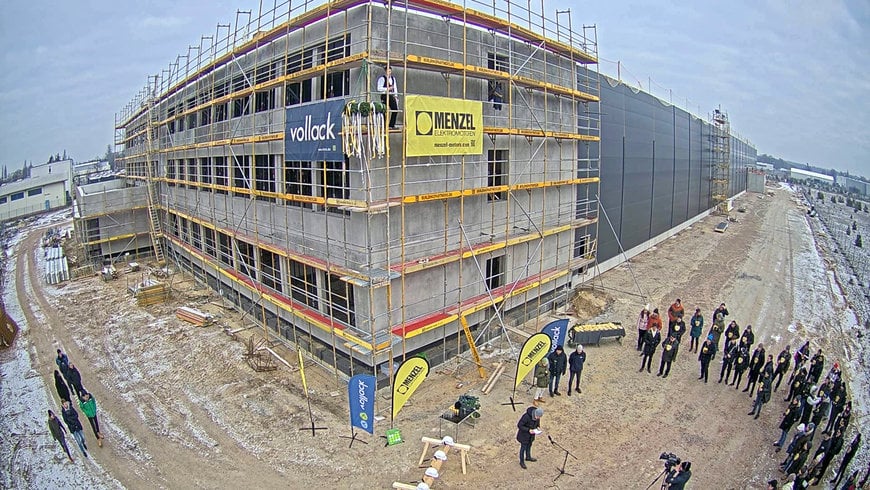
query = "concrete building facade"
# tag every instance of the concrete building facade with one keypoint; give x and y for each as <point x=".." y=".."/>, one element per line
<point x="480" y="207"/>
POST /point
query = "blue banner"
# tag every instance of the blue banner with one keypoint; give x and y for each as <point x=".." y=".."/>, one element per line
<point x="361" y="396"/>
<point x="557" y="330"/>
<point x="312" y="132"/>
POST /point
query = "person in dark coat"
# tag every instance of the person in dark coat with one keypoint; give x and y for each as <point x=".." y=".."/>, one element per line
<point x="748" y="337"/>
<point x="706" y="355"/>
<point x="75" y="380"/>
<point x="821" y="410"/>
<point x="740" y="365"/>
<point x="756" y="363"/>
<point x="60" y="386"/>
<point x="843" y="419"/>
<point x="650" y="344"/>
<point x="802" y="435"/>
<point x="798" y="458"/>
<point x="558" y="367"/>
<point x="827" y="450"/>
<point x="721" y="310"/>
<point x="62" y="361"/>
<point x="791" y="415"/>
<point x="527" y="428"/>
<point x="57" y="433"/>
<point x="71" y="418"/>
<point x="797" y="384"/>
<point x="697" y="328"/>
<point x="801" y="356"/>
<point x="809" y="400"/>
<point x="847" y="458"/>
<point x="677" y="331"/>
<point x="669" y="350"/>
<point x="763" y="395"/>
<point x="716" y="330"/>
<point x="677" y="478"/>
<point x="575" y="364"/>
<point x="817" y="365"/>
<point x="730" y="354"/>
<point x="783" y="360"/>
<point x="732" y="332"/>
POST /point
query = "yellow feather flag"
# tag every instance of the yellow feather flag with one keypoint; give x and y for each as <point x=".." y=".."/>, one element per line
<point x="408" y="377"/>
<point x="536" y="347"/>
<point x="302" y="372"/>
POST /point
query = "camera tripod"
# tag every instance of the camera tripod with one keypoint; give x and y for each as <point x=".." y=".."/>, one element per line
<point x="664" y="482"/>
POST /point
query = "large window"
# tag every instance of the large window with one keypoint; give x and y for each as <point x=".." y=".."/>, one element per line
<point x="220" y="112"/>
<point x="336" y="84"/>
<point x="303" y="283"/>
<point x="17" y="196"/>
<point x="241" y="106"/>
<point x="205" y="116"/>
<point x="205" y="170"/>
<point x="34" y="192"/>
<point x="221" y="175"/>
<point x="225" y="250"/>
<point x="494" y="272"/>
<point x="247" y="259"/>
<point x="208" y="241"/>
<point x="170" y="172"/>
<point x="340" y="299"/>
<point x="265" y="100"/>
<point x="336" y="182"/>
<point x="196" y="235"/>
<point x="270" y="270"/>
<point x="297" y="180"/>
<point x="192" y="170"/>
<point x="298" y="92"/>
<point x="497" y="173"/>
<point x="241" y="173"/>
<point x="264" y="176"/>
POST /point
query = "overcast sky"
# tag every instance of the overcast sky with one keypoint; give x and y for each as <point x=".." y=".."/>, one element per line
<point x="794" y="76"/>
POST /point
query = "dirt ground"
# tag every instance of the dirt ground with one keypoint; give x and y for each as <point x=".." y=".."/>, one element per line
<point x="181" y="409"/>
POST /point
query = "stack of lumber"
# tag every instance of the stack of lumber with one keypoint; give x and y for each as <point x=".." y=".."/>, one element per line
<point x="152" y="294"/>
<point x="194" y="316"/>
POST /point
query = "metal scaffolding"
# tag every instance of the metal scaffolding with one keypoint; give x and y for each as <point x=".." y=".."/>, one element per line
<point x="383" y="255"/>
<point x="720" y="141"/>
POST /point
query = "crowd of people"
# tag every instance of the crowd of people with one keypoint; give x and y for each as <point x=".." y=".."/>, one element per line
<point x="813" y="399"/>
<point x="68" y="381"/>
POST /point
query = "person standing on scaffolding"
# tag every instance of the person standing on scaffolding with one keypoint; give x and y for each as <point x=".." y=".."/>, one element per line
<point x="389" y="91"/>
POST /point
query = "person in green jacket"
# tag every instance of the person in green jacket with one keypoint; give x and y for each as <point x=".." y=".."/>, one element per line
<point x="542" y="380"/>
<point x="88" y="405"/>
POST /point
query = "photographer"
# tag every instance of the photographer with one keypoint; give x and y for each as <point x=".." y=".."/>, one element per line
<point x="679" y="475"/>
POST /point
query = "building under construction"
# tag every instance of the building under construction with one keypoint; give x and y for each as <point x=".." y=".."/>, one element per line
<point x="267" y="169"/>
<point x="263" y="163"/>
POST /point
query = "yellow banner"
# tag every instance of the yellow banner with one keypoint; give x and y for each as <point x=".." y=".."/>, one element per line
<point x="302" y="372"/>
<point x="411" y="373"/>
<point x="443" y="126"/>
<point x="536" y="347"/>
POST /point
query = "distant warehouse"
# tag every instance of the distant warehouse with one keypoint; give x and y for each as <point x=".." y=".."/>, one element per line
<point x="806" y="175"/>
<point x="33" y="195"/>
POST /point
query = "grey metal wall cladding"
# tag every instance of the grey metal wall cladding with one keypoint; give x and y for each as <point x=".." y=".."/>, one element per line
<point x="655" y="167"/>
